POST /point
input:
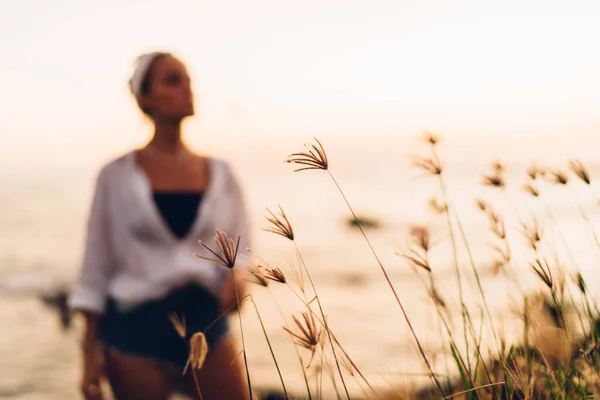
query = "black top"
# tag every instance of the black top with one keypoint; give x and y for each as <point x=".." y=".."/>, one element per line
<point x="179" y="210"/>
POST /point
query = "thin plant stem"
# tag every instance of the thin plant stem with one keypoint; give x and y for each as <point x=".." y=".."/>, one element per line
<point x="237" y="296"/>
<point x="295" y="345"/>
<point x="195" y="377"/>
<point x="568" y="251"/>
<point x="451" y="233"/>
<point x="559" y="234"/>
<point x="262" y="325"/>
<point x="470" y="255"/>
<point x="453" y="241"/>
<point x="331" y="375"/>
<point x="477" y="279"/>
<point x="324" y="319"/>
<point x="474" y="390"/>
<point x="454" y="253"/>
<point x="387" y="278"/>
<point x="197" y="384"/>
<point x="586" y="218"/>
<point x="478" y="355"/>
<point x="460" y="360"/>
<point x="579" y="312"/>
<point x="224" y="313"/>
<point x="441" y="317"/>
<point x="320" y="381"/>
<point x="305" y="303"/>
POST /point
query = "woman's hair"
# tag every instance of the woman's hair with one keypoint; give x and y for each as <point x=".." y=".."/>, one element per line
<point x="140" y="82"/>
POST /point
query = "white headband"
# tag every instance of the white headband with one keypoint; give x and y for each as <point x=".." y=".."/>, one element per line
<point x="142" y="64"/>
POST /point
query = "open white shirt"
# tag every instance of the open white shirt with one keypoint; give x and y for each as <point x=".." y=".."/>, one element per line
<point x="132" y="256"/>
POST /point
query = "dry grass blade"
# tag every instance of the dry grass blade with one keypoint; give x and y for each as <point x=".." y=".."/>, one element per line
<point x="421" y="237"/>
<point x="198" y="351"/>
<point x="315" y="158"/>
<point x="430" y="138"/>
<point x="497" y="266"/>
<point x="580" y="282"/>
<point x="498" y="167"/>
<point x="464" y="392"/>
<point x="237" y="356"/>
<point x="346" y="363"/>
<point x="309" y="336"/>
<point x="437" y="298"/>
<point x="297" y="276"/>
<point x="561" y="282"/>
<point x="227" y="249"/>
<point x="503" y="252"/>
<point x="178" y="324"/>
<point x="280" y="224"/>
<point x="482" y="205"/>
<point x="255" y="276"/>
<point x="271" y="273"/>
<point x="531" y="189"/>
<point x="429" y="165"/>
<point x="494" y="180"/>
<point x="534" y="171"/>
<point x="542" y="270"/>
<point x="533" y="233"/>
<point x="437" y="206"/>
<point x="580" y="171"/>
<point x="559" y="177"/>
<point x="417" y="259"/>
<point x="275" y="274"/>
<point x="497" y="225"/>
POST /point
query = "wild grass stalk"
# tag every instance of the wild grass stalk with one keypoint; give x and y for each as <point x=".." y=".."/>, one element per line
<point x="280" y="277"/>
<point x="308" y="391"/>
<point x="226" y="254"/>
<point x="527" y="371"/>
<point x="502" y="255"/>
<point x="325" y="324"/>
<point x="316" y="159"/>
<point x="433" y="166"/>
<point x="262" y="325"/>
<point x="282" y="226"/>
<point x="237" y="296"/>
<point x="419" y="260"/>
<point x="265" y="273"/>
<point x="180" y="328"/>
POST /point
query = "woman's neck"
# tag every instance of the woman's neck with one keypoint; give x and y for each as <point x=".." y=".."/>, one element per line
<point x="167" y="138"/>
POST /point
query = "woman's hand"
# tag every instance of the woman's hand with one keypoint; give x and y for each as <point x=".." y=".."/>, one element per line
<point x="93" y="368"/>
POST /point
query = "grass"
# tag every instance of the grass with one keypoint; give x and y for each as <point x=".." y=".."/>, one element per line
<point x="557" y="356"/>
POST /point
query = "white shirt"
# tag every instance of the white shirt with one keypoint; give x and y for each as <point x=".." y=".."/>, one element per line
<point x="130" y="253"/>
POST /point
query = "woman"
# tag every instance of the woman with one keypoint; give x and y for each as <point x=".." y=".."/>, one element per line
<point x="150" y="208"/>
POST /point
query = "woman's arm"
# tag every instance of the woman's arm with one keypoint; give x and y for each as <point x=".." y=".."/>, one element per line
<point x="91" y="329"/>
<point x="89" y="294"/>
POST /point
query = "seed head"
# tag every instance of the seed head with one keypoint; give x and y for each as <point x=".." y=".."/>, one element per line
<point x="280" y="224"/>
<point x="198" y="351"/>
<point x="226" y="252"/>
<point x="314" y="158"/>
<point x="580" y="171"/>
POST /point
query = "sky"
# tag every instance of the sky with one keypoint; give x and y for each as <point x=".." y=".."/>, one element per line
<point x="271" y="71"/>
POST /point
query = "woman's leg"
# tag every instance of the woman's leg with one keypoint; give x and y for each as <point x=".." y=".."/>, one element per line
<point x="136" y="378"/>
<point x="221" y="377"/>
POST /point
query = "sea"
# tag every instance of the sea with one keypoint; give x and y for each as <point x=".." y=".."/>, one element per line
<point x="43" y="211"/>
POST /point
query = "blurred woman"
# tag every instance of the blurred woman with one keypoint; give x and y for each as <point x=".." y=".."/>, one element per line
<point x="150" y="208"/>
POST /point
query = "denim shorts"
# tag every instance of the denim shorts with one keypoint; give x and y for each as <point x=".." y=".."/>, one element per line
<point x="146" y="329"/>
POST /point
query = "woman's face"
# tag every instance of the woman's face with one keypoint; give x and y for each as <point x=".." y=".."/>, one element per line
<point x="170" y="96"/>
